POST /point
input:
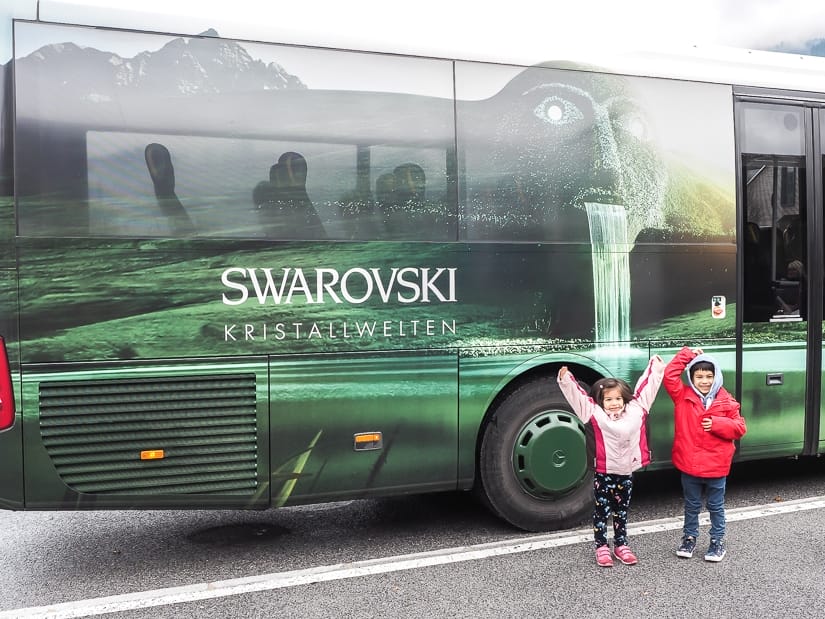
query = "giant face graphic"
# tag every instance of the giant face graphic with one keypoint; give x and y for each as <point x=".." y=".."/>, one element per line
<point x="560" y="139"/>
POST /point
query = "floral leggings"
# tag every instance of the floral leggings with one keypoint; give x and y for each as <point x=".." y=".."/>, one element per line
<point x="612" y="495"/>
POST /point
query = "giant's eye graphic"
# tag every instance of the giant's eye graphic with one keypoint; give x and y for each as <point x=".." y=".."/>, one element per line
<point x="558" y="111"/>
<point x="635" y="124"/>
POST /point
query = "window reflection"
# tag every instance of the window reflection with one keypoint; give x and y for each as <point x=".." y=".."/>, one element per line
<point x="150" y="144"/>
<point x="385" y="149"/>
<point x="774" y="238"/>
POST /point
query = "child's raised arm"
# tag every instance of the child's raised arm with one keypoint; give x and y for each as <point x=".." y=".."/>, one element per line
<point x="673" y="371"/>
<point x="648" y="384"/>
<point x="582" y="404"/>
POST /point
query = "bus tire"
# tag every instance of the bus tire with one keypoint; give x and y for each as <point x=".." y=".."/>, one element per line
<point x="533" y="462"/>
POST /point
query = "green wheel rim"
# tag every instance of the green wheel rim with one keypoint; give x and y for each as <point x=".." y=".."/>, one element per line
<point x="550" y="454"/>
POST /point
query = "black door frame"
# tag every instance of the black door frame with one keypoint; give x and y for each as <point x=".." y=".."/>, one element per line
<point x="813" y="105"/>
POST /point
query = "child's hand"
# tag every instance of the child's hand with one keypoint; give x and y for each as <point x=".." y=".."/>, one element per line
<point x="696" y="351"/>
<point x="707" y="422"/>
<point x="563" y="372"/>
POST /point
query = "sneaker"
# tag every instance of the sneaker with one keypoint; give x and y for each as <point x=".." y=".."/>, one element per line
<point x="625" y="555"/>
<point x="716" y="551"/>
<point x="603" y="557"/>
<point x="687" y="547"/>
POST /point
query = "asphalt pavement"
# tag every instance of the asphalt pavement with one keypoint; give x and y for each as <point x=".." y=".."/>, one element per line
<point x="491" y="570"/>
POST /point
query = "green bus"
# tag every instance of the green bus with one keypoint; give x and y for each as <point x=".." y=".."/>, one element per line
<point x="244" y="274"/>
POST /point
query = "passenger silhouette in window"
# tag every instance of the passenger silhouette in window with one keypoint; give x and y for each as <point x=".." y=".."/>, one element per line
<point x="400" y="196"/>
<point x="790" y="290"/>
<point x="793" y="240"/>
<point x="410" y="184"/>
<point x="162" y="173"/>
<point x="385" y="196"/>
<point x="789" y="285"/>
<point x="264" y="192"/>
<point x="283" y="203"/>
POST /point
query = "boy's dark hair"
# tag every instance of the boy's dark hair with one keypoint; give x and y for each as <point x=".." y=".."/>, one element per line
<point x="597" y="390"/>
<point x="705" y="366"/>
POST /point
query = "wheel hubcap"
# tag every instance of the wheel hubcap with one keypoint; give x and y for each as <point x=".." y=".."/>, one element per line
<point x="550" y="454"/>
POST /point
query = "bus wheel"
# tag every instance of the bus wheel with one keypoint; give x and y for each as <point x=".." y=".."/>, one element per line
<point x="533" y="463"/>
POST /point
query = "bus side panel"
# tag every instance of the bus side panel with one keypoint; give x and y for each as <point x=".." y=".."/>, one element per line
<point x="320" y="404"/>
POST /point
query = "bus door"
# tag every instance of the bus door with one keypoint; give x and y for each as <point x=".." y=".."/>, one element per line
<point x="779" y="142"/>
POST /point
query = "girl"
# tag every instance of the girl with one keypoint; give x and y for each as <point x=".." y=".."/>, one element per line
<point x="617" y="416"/>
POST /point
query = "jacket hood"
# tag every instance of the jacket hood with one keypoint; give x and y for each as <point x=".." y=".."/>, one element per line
<point x="717" y="379"/>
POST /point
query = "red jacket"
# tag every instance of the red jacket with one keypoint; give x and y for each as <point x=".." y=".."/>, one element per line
<point x="695" y="451"/>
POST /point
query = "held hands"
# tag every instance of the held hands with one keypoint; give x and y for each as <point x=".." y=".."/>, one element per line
<point x="696" y="351"/>
<point x="707" y="423"/>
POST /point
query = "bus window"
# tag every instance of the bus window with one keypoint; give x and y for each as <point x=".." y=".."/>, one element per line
<point x="225" y="185"/>
<point x="290" y="148"/>
<point x="774" y="205"/>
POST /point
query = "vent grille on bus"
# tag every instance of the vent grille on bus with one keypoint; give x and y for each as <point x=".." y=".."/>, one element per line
<point x="95" y="430"/>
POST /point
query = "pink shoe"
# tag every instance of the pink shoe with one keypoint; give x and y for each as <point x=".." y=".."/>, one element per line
<point x="603" y="557"/>
<point x="625" y="555"/>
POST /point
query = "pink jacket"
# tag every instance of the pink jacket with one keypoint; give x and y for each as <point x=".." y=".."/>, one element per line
<point x="621" y="444"/>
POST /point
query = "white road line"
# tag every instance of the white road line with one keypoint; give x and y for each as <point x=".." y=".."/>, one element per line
<point x="280" y="580"/>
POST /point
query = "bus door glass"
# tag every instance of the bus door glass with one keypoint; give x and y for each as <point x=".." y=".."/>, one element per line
<point x="781" y="318"/>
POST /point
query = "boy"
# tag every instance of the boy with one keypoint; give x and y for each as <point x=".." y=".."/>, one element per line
<point x="707" y="422"/>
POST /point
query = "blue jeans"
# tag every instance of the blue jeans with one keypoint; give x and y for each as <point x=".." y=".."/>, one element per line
<point x="715" y="501"/>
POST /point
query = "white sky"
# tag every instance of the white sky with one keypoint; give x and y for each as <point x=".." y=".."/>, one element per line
<point x="643" y="24"/>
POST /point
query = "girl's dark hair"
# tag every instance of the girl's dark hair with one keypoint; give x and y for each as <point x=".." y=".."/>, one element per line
<point x="597" y="390"/>
<point x="705" y="366"/>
